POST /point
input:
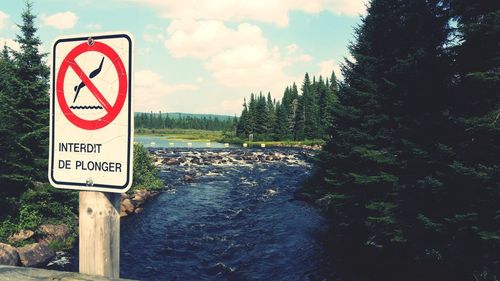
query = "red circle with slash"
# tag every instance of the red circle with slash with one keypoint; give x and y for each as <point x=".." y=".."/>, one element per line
<point x="112" y="109"/>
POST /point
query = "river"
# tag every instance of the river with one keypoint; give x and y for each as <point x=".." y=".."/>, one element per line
<point x="235" y="218"/>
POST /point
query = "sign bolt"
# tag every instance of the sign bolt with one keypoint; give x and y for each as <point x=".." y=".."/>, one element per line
<point x="90" y="182"/>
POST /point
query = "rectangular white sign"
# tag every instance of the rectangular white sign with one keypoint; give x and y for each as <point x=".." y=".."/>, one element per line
<point x="91" y="113"/>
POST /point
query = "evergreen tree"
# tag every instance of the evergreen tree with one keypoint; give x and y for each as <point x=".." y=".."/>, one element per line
<point x="14" y="172"/>
<point x="281" y="124"/>
<point x="379" y="178"/>
<point x="271" y="113"/>
<point x="31" y="98"/>
<point x="327" y="99"/>
<point x="293" y="103"/>
<point x="261" y="115"/>
<point x="310" y="108"/>
<point x="300" y="119"/>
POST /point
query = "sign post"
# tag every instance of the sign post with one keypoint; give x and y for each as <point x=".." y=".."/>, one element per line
<point x="91" y="138"/>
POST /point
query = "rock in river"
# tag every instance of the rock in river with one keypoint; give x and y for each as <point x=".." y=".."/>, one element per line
<point x="8" y="255"/>
<point x="35" y="255"/>
<point x="128" y="206"/>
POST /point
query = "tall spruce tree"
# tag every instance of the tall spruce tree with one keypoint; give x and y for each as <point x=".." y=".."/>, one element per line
<point x="377" y="169"/>
<point x="14" y="173"/>
<point x="31" y="90"/>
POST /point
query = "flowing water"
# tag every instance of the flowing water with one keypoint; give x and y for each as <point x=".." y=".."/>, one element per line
<point x="234" y="220"/>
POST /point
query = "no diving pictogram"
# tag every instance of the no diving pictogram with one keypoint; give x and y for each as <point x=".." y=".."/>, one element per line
<point x="112" y="108"/>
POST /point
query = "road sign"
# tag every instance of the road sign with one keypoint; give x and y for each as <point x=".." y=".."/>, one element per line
<point x="91" y="120"/>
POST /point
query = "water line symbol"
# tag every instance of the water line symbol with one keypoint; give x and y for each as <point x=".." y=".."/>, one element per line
<point x="92" y="75"/>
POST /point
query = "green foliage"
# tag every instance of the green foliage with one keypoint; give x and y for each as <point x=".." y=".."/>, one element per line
<point x="295" y="117"/>
<point x="41" y="204"/>
<point x="183" y="134"/>
<point x="410" y="170"/>
<point x="146" y="174"/>
<point x="162" y="121"/>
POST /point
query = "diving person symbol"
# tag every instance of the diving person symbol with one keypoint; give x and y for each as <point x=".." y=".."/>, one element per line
<point x="109" y="101"/>
<point x="92" y="74"/>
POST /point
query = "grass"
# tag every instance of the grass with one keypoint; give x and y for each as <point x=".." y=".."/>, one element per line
<point x="278" y="143"/>
<point x="182" y="134"/>
<point x="219" y="136"/>
<point x="286" y="143"/>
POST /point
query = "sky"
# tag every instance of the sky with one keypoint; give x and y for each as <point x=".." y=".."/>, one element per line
<point x="205" y="56"/>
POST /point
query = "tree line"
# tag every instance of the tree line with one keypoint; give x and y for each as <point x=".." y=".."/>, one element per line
<point x="294" y="117"/>
<point x="410" y="173"/>
<point x="24" y="103"/>
<point x="164" y="121"/>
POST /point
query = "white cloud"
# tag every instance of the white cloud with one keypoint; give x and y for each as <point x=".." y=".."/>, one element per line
<point x="248" y="65"/>
<point x="152" y="90"/>
<point x="228" y="106"/>
<point x="202" y="39"/>
<point x="93" y="26"/>
<point x="3" y="19"/>
<point x="10" y="43"/>
<point x="276" y="11"/>
<point x="237" y="57"/>
<point x="63" y="20"/>
<point x="143" y="51"/>
<point x="292" y="48"/>
<point x="153" y="33"/>
<point x="326" y="67"/>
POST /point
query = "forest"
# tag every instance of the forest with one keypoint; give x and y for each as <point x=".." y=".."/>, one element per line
<point x="295" y="117"/>
<point x="410" y="172"/>
<point x="183" y="121"/>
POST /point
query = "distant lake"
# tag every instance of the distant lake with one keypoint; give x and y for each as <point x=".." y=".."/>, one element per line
<point x="164" y="141"/>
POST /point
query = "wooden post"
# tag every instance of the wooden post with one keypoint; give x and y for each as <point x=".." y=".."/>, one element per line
<point x="100" y="233"/>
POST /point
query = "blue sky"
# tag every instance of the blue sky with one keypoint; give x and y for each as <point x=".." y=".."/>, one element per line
<point x="205" y="56"/>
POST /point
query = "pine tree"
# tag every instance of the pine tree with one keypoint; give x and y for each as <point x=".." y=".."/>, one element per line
<point x="31" y="90"/>
<point x="281" y="124"/>
<point x="300" y="119"/>
<point x="471" y="177"/>
<point x="376" y="169"/>
<point x="243" y="128"/>
<point x="310" y="108"/>
<point x="261" y="116"/>
<point x="271" y="114"/>
<point x="327" y="98"/>
<point x="293" y="103"/>
<point x="15" y="175"/>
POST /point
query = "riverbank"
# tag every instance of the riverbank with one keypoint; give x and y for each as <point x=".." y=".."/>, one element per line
<point x="206" y="136"/>
<point x="182" y="134"/>
<point x="45" y="219"/>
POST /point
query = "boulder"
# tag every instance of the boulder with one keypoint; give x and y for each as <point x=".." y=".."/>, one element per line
<point x="138" y="210"/>
<point x="53" y="232"/>
<point x="35" y="255"/>
<point x="170" y="161"/>
<point x="127" y="206"/>
<point x="8" y="255"/>
<point x="142" y="193"/>
<point x="138" y="199"/>
<point x="123" y="213"/>
<point x="21" y="236"/>
<point x="187" y="178"/>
